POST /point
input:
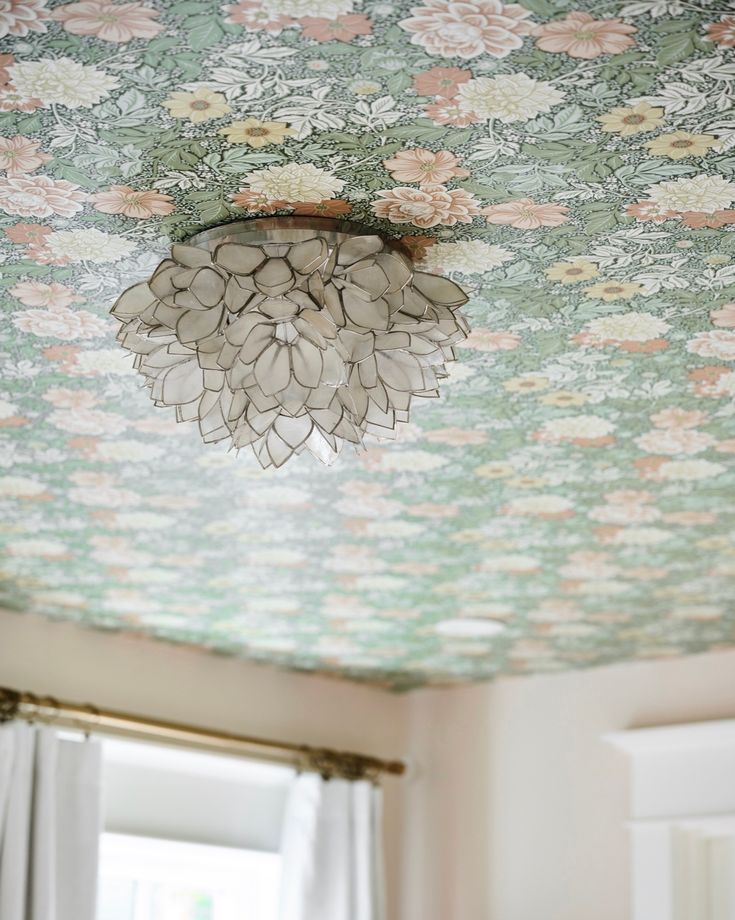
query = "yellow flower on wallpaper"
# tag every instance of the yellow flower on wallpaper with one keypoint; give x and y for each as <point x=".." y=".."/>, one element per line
<point x="257" y="133"/>
<point x="681" y="144"/>
<point x="564" y="399"/>
<point x="200" y="105"/>
<point x="529" y="384"/>
<point x="496" y="470"/>
<point x="527" y="482"/>
<point x="570" y="272"/>
<point x="613" y="290"/>
<point x="628" y="120"/>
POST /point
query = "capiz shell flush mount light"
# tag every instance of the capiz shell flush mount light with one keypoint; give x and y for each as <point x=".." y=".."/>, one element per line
<point x="289" y="334"/>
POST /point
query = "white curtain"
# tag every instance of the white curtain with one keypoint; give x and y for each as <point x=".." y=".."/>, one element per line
<point x="332" y="862"/>
<point x="50" y="817"/>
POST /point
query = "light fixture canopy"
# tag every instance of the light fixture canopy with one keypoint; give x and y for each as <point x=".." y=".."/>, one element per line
<point x="289" y="334"/>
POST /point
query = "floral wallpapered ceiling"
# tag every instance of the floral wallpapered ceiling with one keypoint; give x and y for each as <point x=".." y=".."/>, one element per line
<point x="569" y="163"/>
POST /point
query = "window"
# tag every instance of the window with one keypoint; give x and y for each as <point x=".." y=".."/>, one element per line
<point x="189" y="835"/>
<point x="148" y="879"/>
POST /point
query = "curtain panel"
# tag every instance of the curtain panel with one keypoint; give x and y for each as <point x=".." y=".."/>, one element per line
<point x="332" y="860"/>
<point x="50" y="822"/>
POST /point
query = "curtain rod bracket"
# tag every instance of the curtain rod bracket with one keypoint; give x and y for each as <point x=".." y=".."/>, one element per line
<point x="340" y="764"/>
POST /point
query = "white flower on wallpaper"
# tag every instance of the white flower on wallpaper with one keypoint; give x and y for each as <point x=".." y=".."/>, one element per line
<point x="88" y="245"/>
<point x="295" y="182"/>
<point x="7" y="409"/>
<point x="62" y="81"/>
<point x="470" y="29"/>
<point x="578" y="429"/>
<point x="99" y="362"/>
<point x="701" y="193"/>
<point x="22" y="487"/>
<point x="467" y="256"/>
<point x="43" y="548"/>
<point x="507" y="97"/>
<point x="627" y="327"/>
<point x="322" y="9"/>
<point x="688" y="470"/>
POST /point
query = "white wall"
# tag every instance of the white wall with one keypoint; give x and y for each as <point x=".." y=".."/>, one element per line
<point x="515" y="807"/>
<point x="180" y="684"/>
<point x="519" y="812"/>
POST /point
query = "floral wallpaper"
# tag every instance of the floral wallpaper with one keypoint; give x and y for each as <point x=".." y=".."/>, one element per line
<point x="567" y="502"/>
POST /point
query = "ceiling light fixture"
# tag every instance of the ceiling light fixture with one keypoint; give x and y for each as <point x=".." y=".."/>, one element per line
<point x="290" y="334"/>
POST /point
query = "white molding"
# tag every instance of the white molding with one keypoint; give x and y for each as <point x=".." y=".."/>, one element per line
<point x="682" y="820"/>
<point x="695" y="735"/>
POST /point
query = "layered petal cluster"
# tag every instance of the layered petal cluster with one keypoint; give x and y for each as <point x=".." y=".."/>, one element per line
<point x="286" y="347"/>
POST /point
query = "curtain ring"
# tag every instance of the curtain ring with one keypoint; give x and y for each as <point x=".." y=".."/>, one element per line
<point x="34" y="702"/>
<point x="95" y="714"/>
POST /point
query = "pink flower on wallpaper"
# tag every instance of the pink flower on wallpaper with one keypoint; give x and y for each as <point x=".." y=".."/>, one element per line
<point x="19" y="155"/>
<point x="718" y="344"/>
<point x="625" y="514"/>
<point x="87" y="421"/>
<point x="100" y="489"/>
<point x="257" y="202"/>
<point x="724" y="316"/>
<point x="676" y="417"/>
<point x="6" y="61"/>
<point x="446" y="112"/>
<point x="468" y="29"/>
<point x="121" y="199"/>
<point x="416" y="247"/>
<point x="426" y="207"/>
<point x="255" y="18"/>
<point x="40" y="196"/>
<point x="711" y="220"/>
<point x="38" y="294"/>
<point x="629" y="497"/>
<point x="525" y="214"/>
<point x="491" y="340"/>
<point x="582" y="36"/>
<point x="66" y="398"/>
<point x="585" y="564"/>
<point x="328" y="207"/>
<point x="61" y="324"/>
<point x="424" y="166"/>
<point x="20" y="17"/>
<point x="441" y="81"/>
<point x="12" y="101"/>
<point x="722" y="32"/>
<point x="112" y="22"/>
<point x="674" y="441"/>
<point x="28" y="233"/>
<point x="626" y="506"/>
<point x="690" y="518"/>
<point x="343" y="28"/>
<point x="713" y="382"/>
<point x="649" y="210"/>
<point x="42" y="256"/>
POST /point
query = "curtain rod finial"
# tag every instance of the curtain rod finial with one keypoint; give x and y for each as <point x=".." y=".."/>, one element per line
<point x="10" y="701"/>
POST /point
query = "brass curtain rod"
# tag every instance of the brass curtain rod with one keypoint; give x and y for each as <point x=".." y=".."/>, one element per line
<point x="15" y="704"/>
